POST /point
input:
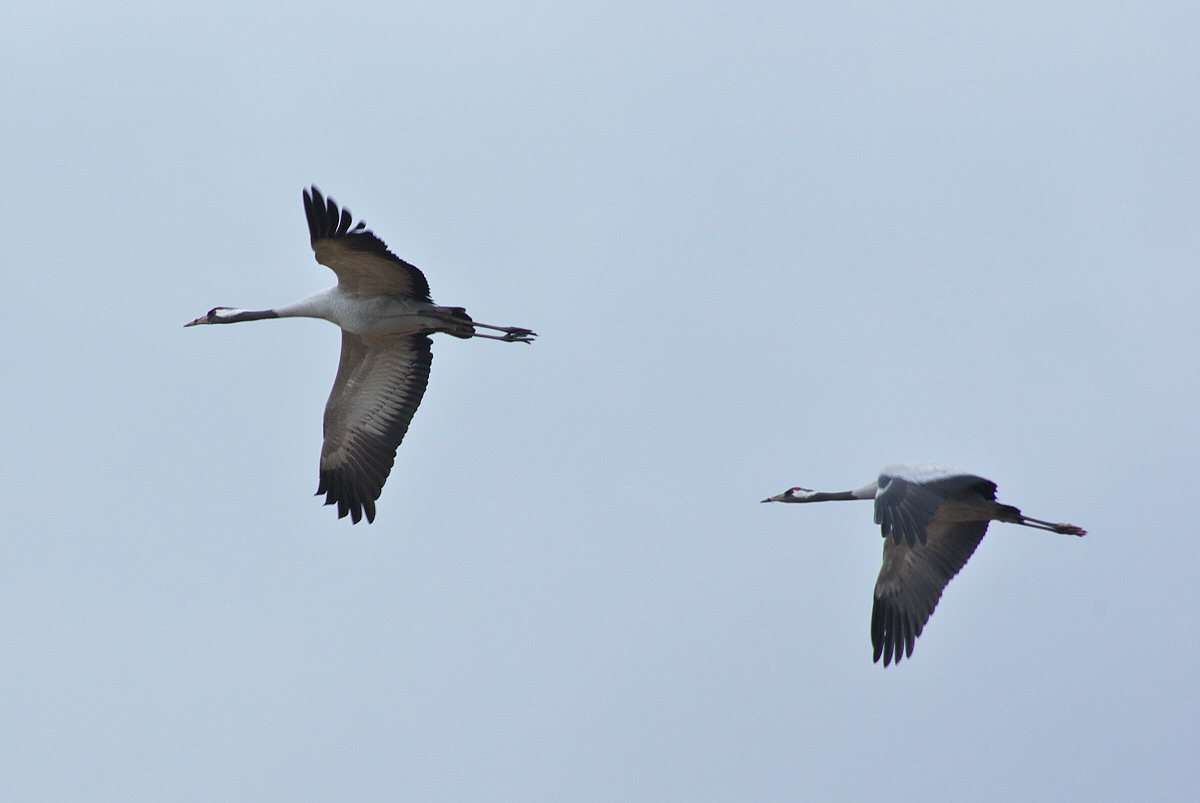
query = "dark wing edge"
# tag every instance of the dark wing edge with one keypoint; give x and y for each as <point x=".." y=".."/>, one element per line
<point x="903" y="509"/>
<point x="911" y="582"/>
<point x="327" y="223"/>
<point x="379" y="385"/>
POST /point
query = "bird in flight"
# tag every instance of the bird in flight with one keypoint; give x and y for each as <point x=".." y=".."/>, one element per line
<point x="383" y="307"/>
<point x="932" y="519"/>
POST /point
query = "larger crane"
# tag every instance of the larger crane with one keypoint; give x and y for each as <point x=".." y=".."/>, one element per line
<point x="383" y="307"/>
<point x="932" y="519"/>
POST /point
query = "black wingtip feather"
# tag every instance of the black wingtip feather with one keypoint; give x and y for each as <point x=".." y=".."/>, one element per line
<point x="327" y="221"/>
<point x="312" y="202"/>
<point x="893" y="633"/>
<point x="350" y="501"/>
<point x="877" y="630"/>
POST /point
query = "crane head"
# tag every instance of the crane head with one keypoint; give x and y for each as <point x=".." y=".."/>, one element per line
<point x="214" y="315"/>
<point x="792" y="495"/>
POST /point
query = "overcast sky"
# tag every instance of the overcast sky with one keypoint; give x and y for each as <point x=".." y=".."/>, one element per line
<point x="765" y="245"/>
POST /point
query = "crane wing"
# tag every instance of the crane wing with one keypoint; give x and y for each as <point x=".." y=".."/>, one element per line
<point x="380" y="382"/>
<point x="904" y="507"/>
<point x="361" y="260"/>
<point x="911" y="582"/>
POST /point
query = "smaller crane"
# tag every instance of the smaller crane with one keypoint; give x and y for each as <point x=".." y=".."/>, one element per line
<point x="932" y="519"/>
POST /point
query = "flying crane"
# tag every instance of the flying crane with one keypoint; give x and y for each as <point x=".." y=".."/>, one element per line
<point x="383" y="307"/>
<point x="932" y="518"/>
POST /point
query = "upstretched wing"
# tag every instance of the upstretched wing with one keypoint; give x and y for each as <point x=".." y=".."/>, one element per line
<point x="380" y="382"/>
<point x="911" y="582"/>
<point x="904" y="506"/>
<point x="360" y="259"/>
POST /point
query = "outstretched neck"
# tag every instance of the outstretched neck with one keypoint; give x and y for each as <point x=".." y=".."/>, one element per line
<point x="829" y="496"/>
<point x="318" y="305"/>
<point x="231" y="315"/>
<point x="865" y="492"/>
<point x="805" y="495"/>
<point x="239" y="315"/>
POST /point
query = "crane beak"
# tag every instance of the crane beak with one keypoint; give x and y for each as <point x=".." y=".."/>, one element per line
<point x="775" y="498"/>
<point x="198" y="321"/>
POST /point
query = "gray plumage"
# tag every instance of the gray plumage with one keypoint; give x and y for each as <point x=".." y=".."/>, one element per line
<point x="380" y="382"/>
<point x="932" y="518"/>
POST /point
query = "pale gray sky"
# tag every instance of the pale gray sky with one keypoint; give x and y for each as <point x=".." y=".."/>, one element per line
<point x="765" y="245"/>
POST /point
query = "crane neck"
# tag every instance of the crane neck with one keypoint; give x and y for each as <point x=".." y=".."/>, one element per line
<point x="831" y="496"/>
<point x="237" y="316"/>
<point x="805" y="495"/>
<point x="319" y="305"/>
<point x="865" y="492"/>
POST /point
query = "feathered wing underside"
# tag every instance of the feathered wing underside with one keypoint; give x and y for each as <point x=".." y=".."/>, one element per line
<point x="379" y="384"/>
<point x="361" y="260"/>
<point x="903" y="508"/>
<point x="911" y="582"/>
